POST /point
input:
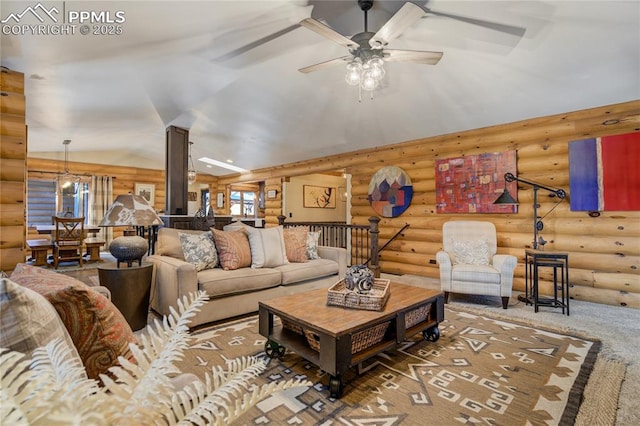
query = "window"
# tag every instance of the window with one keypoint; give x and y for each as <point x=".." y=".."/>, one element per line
<point x="243" y="203"/>
<point x="43" y="203"/>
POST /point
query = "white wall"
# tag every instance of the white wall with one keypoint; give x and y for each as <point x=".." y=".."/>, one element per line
<point x="293" y="200"/>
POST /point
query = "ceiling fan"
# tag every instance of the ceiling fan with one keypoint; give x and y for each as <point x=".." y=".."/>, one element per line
<point x="368" y="50"/>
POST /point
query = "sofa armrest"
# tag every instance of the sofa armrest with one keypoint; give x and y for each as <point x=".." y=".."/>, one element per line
<point x="336" y="254"/>
<point x="445" y="266"/>
<point x="174" y="278"/>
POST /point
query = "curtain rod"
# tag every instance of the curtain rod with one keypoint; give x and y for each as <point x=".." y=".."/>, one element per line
<point x="60" y="173"/>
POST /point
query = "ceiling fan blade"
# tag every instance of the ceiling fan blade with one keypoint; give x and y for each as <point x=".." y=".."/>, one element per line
<point x="505" y="28"/>
<point x="326" y="64"/>
<point x="244" y="49"/>
<point x="415" y="56"/>
<point x="328" y="32"/>
<point x="408" y="15"/>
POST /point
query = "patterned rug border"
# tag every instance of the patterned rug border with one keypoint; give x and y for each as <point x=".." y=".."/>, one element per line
<point x="594" y="396"/>
<point x="598" y="402"/>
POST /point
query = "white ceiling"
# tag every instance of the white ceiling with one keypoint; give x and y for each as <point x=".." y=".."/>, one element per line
<point x="191" y="64"/>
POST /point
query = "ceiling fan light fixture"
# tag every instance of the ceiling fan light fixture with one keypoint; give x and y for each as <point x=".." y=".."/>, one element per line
<point x="354" y="72"/>
<point x="369" y="82"/>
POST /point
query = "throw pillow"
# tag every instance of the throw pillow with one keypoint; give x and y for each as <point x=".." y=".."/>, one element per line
<point x="200" y="250"/>
<point x="233" y="249"/>
<point x="267" y="247"/>
<point x="471" y="252"/>
<point x="295" y="243"/>
<point x="29" y="321"/>
<point x="312" y="245"/>
<point x="98" y="330"/>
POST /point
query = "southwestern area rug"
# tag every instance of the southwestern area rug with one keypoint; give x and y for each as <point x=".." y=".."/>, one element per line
<point x="480" y="371"/>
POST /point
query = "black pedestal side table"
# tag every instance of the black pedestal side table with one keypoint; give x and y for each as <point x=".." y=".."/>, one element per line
<point x="130" y="290"/>
<point x="559" y="263"/>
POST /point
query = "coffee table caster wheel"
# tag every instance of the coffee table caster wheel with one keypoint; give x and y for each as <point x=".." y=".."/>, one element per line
<point x="273" y="349"/>
<point x="335" y="386"/>
<point x="431" y="334"/>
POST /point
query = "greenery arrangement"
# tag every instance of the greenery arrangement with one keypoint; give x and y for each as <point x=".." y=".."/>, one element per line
<point x="52" y="389"/>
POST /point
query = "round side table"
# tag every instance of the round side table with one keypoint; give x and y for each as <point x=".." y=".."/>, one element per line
<point x="130" y="289"/>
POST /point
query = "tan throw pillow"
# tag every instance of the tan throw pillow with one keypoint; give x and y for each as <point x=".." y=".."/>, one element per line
<point x="200" y="250"/>
<point x="295" y="243"/>
<point x="98" y="330"/>
<point x="233" y="249"/>
<point x="267" y="247"/>
<point x="29" y="321"/>
<point x="471" y="252"/>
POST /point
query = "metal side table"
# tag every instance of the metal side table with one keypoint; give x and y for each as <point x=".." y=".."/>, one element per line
<point x="559" y="263"/>
<point x="130" y="290"/>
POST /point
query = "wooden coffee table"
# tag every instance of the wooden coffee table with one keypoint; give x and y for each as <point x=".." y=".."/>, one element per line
<point x="408" y="311"/>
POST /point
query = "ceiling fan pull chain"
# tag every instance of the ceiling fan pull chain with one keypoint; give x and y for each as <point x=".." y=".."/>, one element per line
<point x="359" y="94"/>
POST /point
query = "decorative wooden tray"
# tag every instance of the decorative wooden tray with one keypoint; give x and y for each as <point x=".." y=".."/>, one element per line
<point x="339" y="295"/>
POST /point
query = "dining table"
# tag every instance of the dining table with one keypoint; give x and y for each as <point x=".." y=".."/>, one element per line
<point x="48" y="229"/>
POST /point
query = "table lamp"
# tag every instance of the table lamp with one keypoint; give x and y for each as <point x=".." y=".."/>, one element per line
<point x="130" y="210"/>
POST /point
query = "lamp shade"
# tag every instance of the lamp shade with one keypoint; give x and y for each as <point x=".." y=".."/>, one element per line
<point x="505" y="198"/>
<point x="130" y="210"/>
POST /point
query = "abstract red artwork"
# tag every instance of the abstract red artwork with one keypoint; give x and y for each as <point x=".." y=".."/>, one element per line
<point x="472" y="183"/>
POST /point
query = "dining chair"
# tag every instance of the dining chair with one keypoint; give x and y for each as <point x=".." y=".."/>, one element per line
<point x="68" y="236"/>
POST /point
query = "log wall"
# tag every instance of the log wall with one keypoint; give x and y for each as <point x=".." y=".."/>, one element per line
<point x="604" y="251"/>
<point x="13" y="157"/>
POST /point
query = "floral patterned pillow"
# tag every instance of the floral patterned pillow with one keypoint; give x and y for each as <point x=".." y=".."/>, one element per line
<point x="233" y="249"/>
<point x="471" y="252"/>
<point x="200" y="250"/>
<point x="295" y="243"/>
<point x="312" y="245"/>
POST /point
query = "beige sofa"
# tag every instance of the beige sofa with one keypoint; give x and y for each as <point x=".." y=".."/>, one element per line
<point x="234" y="292"/>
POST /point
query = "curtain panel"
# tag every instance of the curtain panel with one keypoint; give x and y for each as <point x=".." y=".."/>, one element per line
<point x="100" y="200"/>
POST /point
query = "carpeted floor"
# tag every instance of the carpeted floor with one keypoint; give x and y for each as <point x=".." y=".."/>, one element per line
<point x="618" y="329"/>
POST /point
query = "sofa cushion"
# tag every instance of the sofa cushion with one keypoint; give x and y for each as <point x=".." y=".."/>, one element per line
<point x="233" y="249"/>
<point x="218" y="282"/>
<point x="98" y="330"/>
<point x="297" y="272"/>
<point x="295" y="243"/>
<point x="28" y="321"/>
<point x="267" y="247"/>
<point x="199" y="249"/>
<point x="169" y="242"/>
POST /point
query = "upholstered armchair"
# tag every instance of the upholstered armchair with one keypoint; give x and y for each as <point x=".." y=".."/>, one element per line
<point x="469" y="263"/>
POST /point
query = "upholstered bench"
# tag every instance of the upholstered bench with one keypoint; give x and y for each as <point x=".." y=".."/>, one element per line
<point x="39" y="251"/>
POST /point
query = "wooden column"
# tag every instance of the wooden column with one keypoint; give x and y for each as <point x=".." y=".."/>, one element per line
<point x="13" y="163"/>
<point x="176" y="165"/>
